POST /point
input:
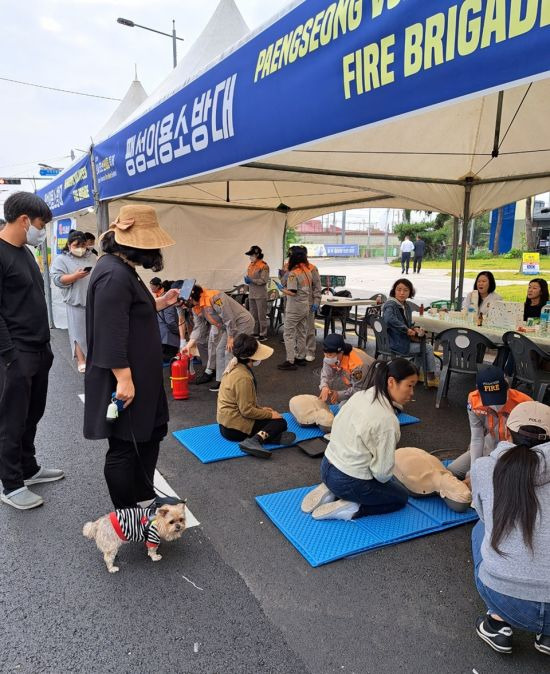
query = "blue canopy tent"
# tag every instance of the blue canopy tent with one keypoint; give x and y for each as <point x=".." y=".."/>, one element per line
<point x="432" y="104"/>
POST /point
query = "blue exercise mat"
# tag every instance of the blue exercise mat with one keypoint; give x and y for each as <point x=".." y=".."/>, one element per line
<point x="404" y="419"/>
<point x="206" y="443"/>
<point x="321" y="542"/>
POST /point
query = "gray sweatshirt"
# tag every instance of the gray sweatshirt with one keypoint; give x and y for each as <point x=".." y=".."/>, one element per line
<point x="520" y="573"/>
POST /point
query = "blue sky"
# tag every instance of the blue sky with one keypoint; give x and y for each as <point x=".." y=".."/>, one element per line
<point x="77" y="44"/>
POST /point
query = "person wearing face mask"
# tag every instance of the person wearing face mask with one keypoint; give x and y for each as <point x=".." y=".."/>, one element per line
<point x="90" y="242"/>
<point x="125" y="355"/>
<point x="257" y="278"/>
<point x="357" y="468"/>
<point x="71" y="272"/>
<point x="344" y="371"/>
<point x="489" y="407"/>
<point x="25" y="353"/>
<point x="239" y="416"/>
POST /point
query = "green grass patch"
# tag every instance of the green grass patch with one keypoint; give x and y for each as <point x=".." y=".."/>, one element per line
<point x="512" y="293"/>
<point x="504" y="276"/>
<point x="473" y="265"/>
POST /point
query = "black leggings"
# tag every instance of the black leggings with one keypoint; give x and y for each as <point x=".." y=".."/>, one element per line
<point x="273" y="428"/>
<point x="124" y="471"/>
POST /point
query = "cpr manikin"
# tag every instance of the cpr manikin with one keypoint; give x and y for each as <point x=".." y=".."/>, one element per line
<point x="423" y="474"/>
<point x="309" y="410"/>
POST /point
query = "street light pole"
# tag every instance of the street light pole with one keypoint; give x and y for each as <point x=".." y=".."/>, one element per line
<point x="132" y="24"/>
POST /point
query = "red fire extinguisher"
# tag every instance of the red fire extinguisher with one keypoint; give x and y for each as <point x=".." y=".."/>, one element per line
<point x="179" y="377"/>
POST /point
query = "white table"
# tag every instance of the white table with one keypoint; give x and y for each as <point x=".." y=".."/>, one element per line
<point x="343" y="303"/>
<point x="436" y="325"/>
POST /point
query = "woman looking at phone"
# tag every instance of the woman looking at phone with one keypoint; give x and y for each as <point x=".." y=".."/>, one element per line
<point x="71" y="273"/>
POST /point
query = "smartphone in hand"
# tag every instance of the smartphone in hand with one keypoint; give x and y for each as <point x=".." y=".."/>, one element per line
<point x="88" y="269"/>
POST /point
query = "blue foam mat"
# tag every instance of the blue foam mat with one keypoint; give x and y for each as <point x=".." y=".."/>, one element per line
<point x="206" y="443"/>
<point x="321" y="542"/>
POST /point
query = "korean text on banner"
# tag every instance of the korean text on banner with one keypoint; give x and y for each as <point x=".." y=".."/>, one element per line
<point x="71" y="191"/>
<point x="361" y="61"/>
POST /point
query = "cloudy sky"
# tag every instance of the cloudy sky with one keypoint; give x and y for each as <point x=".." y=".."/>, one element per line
<point x="77" y="45"/>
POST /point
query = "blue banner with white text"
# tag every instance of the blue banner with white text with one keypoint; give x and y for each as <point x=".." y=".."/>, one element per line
<point x="71" y="191"/>
<point x="322" y="69"/>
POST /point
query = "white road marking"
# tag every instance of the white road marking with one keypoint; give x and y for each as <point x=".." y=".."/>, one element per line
<point x="163" y="486"/>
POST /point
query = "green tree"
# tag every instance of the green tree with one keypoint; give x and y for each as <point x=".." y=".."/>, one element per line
<point x="291" y="237"/>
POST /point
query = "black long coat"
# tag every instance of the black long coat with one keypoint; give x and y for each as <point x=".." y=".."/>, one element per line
<point x="122" y="331"/>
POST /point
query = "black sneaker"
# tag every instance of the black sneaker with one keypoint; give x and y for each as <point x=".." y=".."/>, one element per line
<point x="496" y="633"/>
<point x="215" y="387"/>
<point x="287" y="365"/>
<point x="300" y="361"/>
<point x="542" y="643"/>
<point x="286" y="438"/>
<point x="254" y="447"/>
<point x="204" y="378"/>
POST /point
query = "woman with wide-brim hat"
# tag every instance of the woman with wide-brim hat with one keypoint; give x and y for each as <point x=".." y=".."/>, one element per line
<point x="125" y="355"/>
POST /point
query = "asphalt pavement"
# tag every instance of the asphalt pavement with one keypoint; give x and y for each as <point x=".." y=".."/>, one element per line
<point x="232" y="595"/>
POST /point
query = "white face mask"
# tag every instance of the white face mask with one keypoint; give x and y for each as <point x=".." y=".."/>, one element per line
<point x="35" y="236"/>
<point x="255" y="363"/>
<point x="78" y="252"/>
<point x="331" y="361"/>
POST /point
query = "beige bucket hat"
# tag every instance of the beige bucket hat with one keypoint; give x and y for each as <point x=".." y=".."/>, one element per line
<point x="138" y="227"/>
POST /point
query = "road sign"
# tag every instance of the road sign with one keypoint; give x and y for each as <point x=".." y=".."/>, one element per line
<point x="50" y="171"/>
<point x="10" y="181"/>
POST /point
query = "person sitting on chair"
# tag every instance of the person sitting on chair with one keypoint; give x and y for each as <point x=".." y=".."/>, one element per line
<point x="404" y="337"/>
<point x="239" y="416"/>
<point x="489" y="407"/>
<point x="344" y="369"/>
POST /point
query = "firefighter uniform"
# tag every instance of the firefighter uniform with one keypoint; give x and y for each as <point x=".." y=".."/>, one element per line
<point x="258" y="275"/>
<point x="348" y="376"/>
<point x="311" y="338"/>
<point x="297" y="311"/>
<point x="216" y="317"/>
<point x="488" y="428"/>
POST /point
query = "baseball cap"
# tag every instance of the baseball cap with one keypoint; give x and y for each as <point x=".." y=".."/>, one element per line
<point x="492" y="386"/>
<point x="254" y="250"/>
<point x="333" y="343"/>
<point x="530" y="414"/>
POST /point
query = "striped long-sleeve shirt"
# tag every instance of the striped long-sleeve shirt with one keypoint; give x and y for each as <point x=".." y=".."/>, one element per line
<point x="135" y="525"/>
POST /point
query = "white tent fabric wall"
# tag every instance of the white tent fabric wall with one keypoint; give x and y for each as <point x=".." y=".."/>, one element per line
<point x="210" y="246"/>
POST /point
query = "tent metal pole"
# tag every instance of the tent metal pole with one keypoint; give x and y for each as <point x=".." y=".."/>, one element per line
<point x="464" y="242"/>
<point x="101" y="207"/>
<point x="454" y="245"/>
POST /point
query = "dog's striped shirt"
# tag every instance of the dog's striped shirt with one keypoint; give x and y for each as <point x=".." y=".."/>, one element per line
<point x="136" y="524"/>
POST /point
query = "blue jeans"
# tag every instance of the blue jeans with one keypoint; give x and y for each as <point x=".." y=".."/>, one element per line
<point x="375" y="498"/>
<point x="531" y="616"/>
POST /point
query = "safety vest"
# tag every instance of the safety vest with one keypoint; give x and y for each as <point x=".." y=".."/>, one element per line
<point x="205" y="308"/>
<point x="348" y="364"/>
<point x="254" y="267"/>
<point x="497" y="420"/>
<point x="303" y="276"/>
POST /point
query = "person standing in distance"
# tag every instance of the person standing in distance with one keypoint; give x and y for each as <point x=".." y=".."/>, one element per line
<point x="25" y="353"/>
<point x="419" y="250"/>
<point x="407" y="248"/>
<point x="257" y="278"/>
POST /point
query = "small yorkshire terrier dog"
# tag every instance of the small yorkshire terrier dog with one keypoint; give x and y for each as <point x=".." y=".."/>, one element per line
<point x="150" y="525"/>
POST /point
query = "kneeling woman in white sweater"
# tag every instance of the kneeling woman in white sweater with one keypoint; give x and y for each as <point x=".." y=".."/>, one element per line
<point x="357" y="469"/>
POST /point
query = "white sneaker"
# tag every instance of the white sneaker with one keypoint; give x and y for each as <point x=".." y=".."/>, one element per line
<point x="22" y="499"/>
<point x="316" y="497"/>
<point x="337" y="510"/>
<point x="45" y="475"/>
<point x="310" y="359"/>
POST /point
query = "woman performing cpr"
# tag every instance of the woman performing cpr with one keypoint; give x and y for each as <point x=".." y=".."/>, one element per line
<point x="357" y="469"/>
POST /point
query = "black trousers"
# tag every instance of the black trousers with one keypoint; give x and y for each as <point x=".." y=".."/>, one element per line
<point x="417" y="264"/>
<point x="405" y="262"/>
<point x="273" y="428"/>
<point x="130" y="477"/>
<point x="23" y="393"/>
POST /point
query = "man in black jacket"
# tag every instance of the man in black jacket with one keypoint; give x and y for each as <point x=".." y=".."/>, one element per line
<point x="419" y="250"/>
<point x="25" y="353"/>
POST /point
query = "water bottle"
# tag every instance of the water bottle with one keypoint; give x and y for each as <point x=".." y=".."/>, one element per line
<point x="545" y="320"/>
<point x="472" y="314"/>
